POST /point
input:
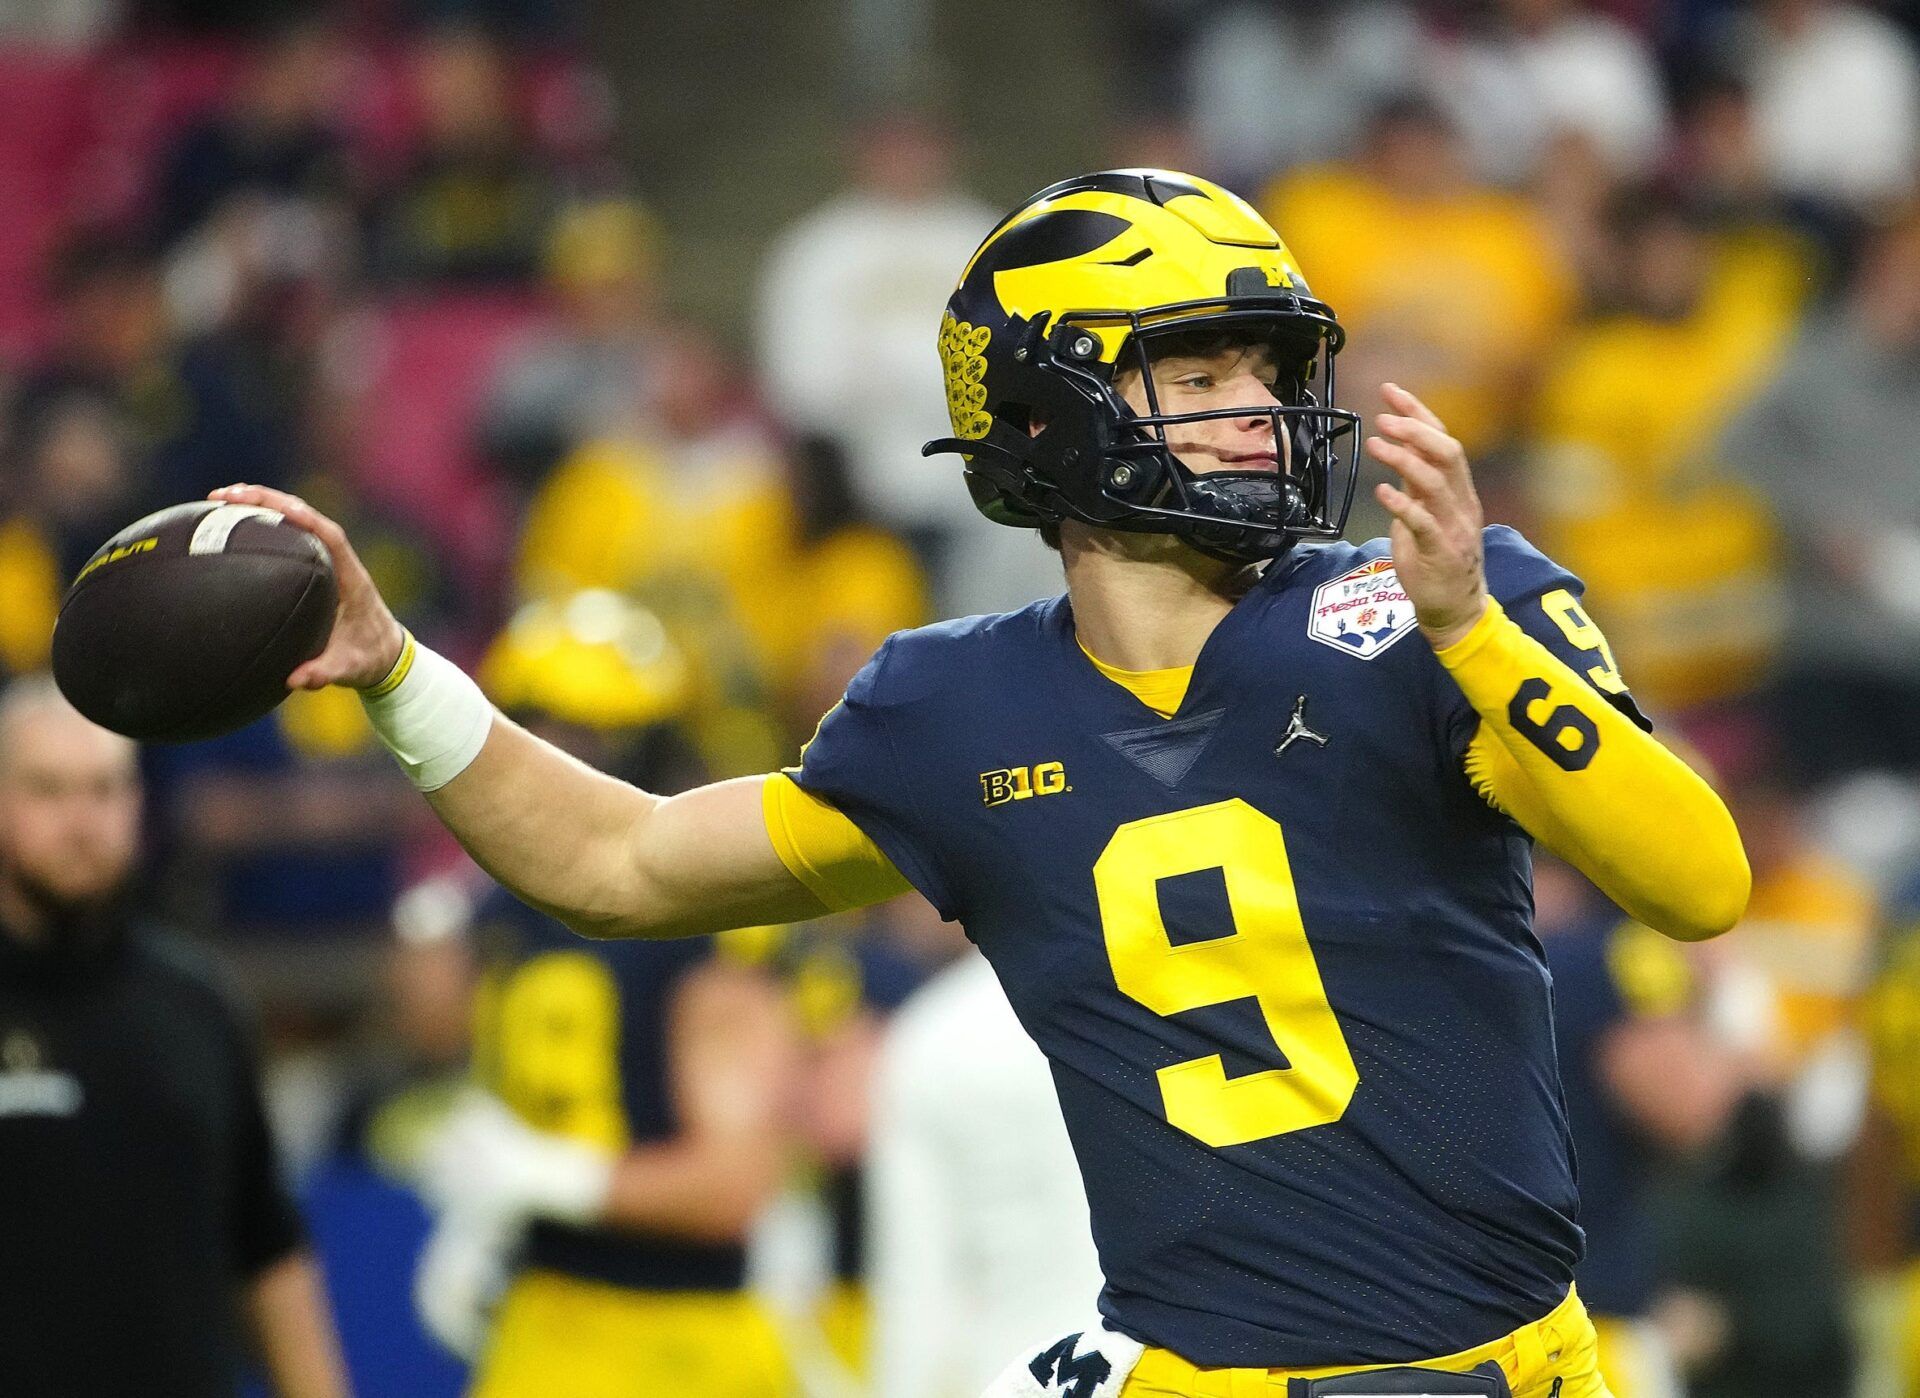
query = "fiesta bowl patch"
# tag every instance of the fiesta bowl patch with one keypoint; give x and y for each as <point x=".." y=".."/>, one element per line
<point x="1361" y="612"/>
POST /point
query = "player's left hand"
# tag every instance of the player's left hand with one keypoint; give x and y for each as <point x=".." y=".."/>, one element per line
<point x="1437" y="548"/>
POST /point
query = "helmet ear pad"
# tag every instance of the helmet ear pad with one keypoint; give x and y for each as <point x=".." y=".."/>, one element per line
<point x="1057" y="426"/>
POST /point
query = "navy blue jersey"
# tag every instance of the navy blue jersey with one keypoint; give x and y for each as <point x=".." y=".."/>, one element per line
<point x="1606" y="973"/>
<point x="1298" y="1020"/>
<point x="574" y="1036"/>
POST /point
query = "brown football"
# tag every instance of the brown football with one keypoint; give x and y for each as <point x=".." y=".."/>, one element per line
<point x="187" y="623"/>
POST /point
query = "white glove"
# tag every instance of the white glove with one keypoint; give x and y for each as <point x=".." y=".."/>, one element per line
<point x="486" y="1163"/>
<point x="459" y="1278"/>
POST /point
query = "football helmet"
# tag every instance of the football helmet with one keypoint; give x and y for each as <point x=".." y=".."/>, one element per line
<point x="1105" y="271"/>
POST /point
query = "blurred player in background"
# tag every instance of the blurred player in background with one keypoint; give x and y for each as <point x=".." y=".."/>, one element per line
<point x="977" y="1218"/>
<point x="143" y="1205"/>
<point x="631" y="1124"/>
<point x="1643" y="1078"/>
<point x="1252" y="868"/>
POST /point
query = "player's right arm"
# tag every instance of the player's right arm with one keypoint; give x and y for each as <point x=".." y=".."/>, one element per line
<point x="602" y="856"/>
<point x="611" y="860"/>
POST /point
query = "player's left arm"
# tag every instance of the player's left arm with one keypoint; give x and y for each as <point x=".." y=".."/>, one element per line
<point x="733" y="1060"/>
<point x="1552" y="752"/>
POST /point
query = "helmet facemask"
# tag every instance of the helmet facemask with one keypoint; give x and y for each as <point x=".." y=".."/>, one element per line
<point x="1094" y="457"/>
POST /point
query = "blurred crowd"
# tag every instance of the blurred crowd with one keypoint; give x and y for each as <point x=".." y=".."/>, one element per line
<point x="1656" y="262"/>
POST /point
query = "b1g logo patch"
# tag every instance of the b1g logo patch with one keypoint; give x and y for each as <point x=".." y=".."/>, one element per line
<point x="1023" y="783"/>
<point x="1361" y="612"/>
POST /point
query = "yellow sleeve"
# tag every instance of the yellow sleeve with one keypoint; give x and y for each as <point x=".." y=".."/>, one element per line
<point x="1584" y="780"/>
<point x="824" y="850"/>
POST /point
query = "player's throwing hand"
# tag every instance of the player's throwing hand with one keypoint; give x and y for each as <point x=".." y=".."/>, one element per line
<point x="1436" y="517"/>
<point x="366" y="640"/>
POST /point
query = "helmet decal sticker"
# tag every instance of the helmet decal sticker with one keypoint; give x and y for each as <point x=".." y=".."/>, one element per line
<point x="963" y="355"/>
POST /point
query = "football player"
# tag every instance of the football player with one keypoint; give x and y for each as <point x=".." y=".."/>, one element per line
<point x="629" y="1120"/>
<point x="1241" y="824"/>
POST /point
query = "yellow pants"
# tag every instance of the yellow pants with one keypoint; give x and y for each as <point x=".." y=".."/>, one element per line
<point x="560" y="1337"/>
<point x="1559" y="1346"/>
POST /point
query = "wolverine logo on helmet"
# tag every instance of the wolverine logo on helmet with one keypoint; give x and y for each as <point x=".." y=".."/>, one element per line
<point x="1102" y="272"/>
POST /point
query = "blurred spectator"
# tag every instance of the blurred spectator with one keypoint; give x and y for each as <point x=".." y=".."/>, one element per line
<point x="847" y="587"/>
<point x="1836" y="94"/>
<point x="74" y="461"/>
<point x="1645" y="1081"/>
<point x="198" y="412"/>
<point x="1274" y="85"/>
<point x="369" y="1224"/>
<point x="690" y="515"/>
<point x="1717" y="155"/>
<point x="850" y="302"/>
<point x="761" y="564"/>
<point x="634" y="1114"/>
<point x="144" y="1201"/>
<point x="293" y="826"/>
<point x="1679" y="558"/>
<point x="73" y="486"/>
<point x="1452" y="289"/>
<point x="1830" y="441"/>
<point x="978" y="1218"/>
<point x="274" y="140"/>
<point x="1752" y="1227"/>
<point x="591" y="373"/>
<point x="1540" y="68"/>
<point x="475" y="205"/>
<point x="1809" y="937"/>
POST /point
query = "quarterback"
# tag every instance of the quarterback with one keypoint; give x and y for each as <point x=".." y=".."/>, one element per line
<point x="1242" y="821"/>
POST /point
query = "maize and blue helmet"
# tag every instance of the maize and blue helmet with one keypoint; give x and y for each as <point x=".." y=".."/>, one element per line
<point x="1104" y="272"/>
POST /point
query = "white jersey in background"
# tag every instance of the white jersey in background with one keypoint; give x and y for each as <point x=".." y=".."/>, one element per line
<point x="977" y="1224"/>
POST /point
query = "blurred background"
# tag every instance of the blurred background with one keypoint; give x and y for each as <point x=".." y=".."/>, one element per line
<point x="608" y="332"/>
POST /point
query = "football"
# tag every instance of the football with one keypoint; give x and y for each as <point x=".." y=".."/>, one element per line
<point x="186" y="624"/>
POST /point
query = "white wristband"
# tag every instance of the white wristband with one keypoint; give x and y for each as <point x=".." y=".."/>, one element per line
<point x="430" y="714"/>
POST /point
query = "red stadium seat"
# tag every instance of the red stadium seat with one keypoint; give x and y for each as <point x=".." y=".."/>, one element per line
<point x="424" y="363"/>
<point x="42" y="137"/>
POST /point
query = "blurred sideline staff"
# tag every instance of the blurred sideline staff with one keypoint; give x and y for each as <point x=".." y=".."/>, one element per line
<point x="627" y="1124"/>
<point x="977" y="1219"/>
<point x="143" y="1206"/>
